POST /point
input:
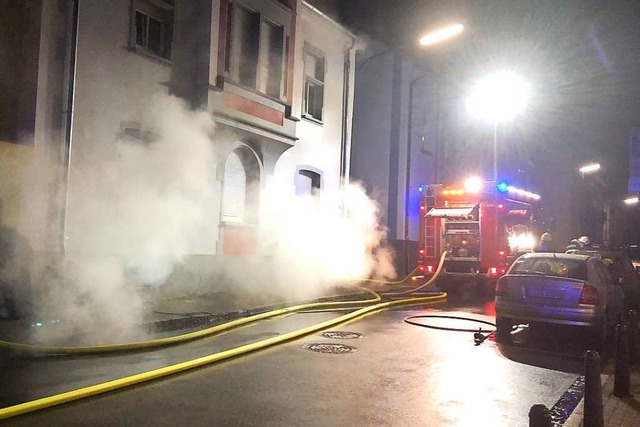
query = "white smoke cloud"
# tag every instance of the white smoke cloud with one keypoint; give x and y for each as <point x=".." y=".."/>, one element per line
<point x="322" y="240"/>
<point x="144" y="208"/>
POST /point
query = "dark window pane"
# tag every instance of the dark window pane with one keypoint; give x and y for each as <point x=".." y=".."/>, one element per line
<point x="319" y="75"/>
<point x="314" y="100"/>
<point x="249" y="32"/>
<point x="140" y="28"/>
<point x="274" y="65"/>
<point x="155" y="36"/>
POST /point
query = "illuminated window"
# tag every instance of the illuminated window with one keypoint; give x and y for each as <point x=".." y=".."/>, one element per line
<point x="314" y="71"/>
<point x="153" y="26"/>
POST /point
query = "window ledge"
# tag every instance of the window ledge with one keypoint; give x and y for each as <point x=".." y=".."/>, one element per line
<point x="313" y="119"/>
<point x="150" y="55"/>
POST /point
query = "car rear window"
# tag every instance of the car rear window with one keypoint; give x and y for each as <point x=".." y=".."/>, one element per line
<point x="559" y="267"/>
<point x="633" y="252"/>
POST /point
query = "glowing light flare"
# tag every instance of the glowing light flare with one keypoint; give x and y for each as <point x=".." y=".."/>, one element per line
<point x="454" y="192"/>
<point x="522" y="193"/>
<point x="473" y="185"/>
<point x="498" y="97"/>
<point x="522" y="241"/>
<point x="441" y="34"/>
<point x="632" y="200"/>
<point x="590" y="168"/>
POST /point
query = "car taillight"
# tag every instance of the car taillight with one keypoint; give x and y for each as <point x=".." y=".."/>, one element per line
<point x="589" y="295"/>
<point x="502" y="289"/>
<point x="422" y="268"/>
<point x="496" y="271"/>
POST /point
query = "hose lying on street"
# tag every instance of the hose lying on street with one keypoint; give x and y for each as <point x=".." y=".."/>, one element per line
<point x="177" y="339"/>
<point x="479" y="335"/>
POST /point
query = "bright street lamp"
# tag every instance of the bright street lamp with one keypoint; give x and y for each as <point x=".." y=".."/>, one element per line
<point x="498" y="98"/>
<point x="441" y="34"/>
<point x="590" y="168"/>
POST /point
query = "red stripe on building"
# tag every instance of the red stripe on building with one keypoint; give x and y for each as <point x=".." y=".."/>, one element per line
<point x="254" y="108"/>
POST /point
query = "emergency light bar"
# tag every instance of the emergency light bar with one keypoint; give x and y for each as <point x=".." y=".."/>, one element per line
<point x="503" y="187"/>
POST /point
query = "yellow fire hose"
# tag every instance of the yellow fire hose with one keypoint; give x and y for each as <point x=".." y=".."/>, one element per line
<point x="216" y="357"/>
<point x="69" y="396"/>
<point x="139" y="345"/>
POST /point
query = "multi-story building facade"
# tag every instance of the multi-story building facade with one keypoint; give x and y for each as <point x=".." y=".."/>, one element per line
<point x="274" y="76"/>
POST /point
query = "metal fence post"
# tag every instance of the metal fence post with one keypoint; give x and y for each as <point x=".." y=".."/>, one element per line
<point x="622" y="378"/>
<point x="593" y="409"/>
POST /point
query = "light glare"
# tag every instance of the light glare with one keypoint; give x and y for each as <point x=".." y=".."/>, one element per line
<point x="441" y="34"/>
<point x="498" y="97"/>
<point x="473" y="185"/>
<point x="593" y="167"/>
<point x="632" y="200"/>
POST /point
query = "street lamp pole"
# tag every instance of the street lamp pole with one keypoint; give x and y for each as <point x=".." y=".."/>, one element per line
<point x="495" y="151"/>
<point x="498" y="98"/>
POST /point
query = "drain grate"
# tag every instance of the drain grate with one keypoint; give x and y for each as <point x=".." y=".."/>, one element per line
<point x="330" y="348"/>
<point x="342" y="335"/>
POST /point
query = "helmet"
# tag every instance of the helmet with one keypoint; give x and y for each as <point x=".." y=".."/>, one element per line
<point x="584" y="240"/>
<point x="546" y="237"/>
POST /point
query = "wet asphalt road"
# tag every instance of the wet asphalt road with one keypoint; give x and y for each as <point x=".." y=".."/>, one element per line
<point x="397" y="375"/>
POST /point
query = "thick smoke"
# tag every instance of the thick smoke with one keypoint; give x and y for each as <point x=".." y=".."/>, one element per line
<point x="323" y="240"/>
<point x="142" y="212"/>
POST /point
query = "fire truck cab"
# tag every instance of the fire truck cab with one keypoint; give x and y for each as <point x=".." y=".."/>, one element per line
<point x="483" y="227"/>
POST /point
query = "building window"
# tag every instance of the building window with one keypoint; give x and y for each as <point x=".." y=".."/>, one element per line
<point x="256" y="51"/>
<point x="240" y="190"/>
<point x="307" y="182"/>
<point x="153" y="26"/>
<point x="271" y="66"/>
<point x="314" y="71"/>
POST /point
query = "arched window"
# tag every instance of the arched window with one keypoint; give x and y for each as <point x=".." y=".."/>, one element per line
<point x="241" y="186"/>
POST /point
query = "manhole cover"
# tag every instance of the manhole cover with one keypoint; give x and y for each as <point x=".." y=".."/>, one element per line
<point x="330" y="348"/>
<point x="341" y="335"/>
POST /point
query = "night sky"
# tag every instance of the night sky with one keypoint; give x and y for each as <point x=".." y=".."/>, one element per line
<point x="581" y="58"/>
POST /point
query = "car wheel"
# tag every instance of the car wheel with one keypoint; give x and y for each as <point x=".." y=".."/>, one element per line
<point x="503" y="330"/>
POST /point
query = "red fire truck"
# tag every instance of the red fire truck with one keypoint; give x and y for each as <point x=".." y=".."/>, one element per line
<point x="483" y="226"/>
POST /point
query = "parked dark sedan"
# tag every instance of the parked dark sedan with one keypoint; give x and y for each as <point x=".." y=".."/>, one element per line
<point x="621" y="268"/>
<point x="634" y="253"/>
<point x="563" y="289"/>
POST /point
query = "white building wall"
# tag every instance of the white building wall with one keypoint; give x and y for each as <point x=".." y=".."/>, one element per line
<point x="318" y="144"/>
<point x="114" y="85"/>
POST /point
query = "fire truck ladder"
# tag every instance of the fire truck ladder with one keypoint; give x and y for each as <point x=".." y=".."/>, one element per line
<point x="430" y="229"/>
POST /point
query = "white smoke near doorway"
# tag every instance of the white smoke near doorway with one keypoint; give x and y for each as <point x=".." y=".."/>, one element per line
<point x="136" y="209"/>
<point x="318" y="241"/>
<point x="141" y="208"/>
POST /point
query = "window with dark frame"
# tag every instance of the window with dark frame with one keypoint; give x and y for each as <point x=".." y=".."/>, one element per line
<point x="307" y="182"/>
<point x="153" y="26"/>
<point x="256" y="51"/>
<point x="314" y="71"/>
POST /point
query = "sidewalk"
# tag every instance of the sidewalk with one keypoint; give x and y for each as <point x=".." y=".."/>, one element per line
<point x="618" y="412"/>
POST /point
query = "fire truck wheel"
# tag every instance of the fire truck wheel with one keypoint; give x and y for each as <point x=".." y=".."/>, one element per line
<point x="503" y="330"/>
